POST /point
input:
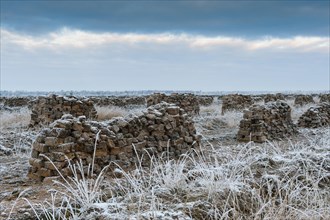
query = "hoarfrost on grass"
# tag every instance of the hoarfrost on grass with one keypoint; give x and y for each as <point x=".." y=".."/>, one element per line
<point x="274" y="180"/>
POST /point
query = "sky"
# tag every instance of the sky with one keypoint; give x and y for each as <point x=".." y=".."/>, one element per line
<point x="165" y="45"/>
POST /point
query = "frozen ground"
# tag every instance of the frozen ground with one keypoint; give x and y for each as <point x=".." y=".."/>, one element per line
<point x="288" y="179"/>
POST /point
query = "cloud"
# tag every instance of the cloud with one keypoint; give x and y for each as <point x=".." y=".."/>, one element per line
<point x="72" y="38"/>
<point x="230" y="18"/>
<point x="72" y="59"/>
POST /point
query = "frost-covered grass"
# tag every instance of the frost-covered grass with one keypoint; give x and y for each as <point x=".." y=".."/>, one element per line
<point x="212" y="116"/>
<point x="22" y="143"/>
<point x="109" y="112"/>
<point x="16" y="142"/>
<point x="287" y="179"/>
<point x="15" y="118"/>
<point x="275" y="180"/>
<point x="297" y="111"/>
<point x="77" y="192"/>
<point x="316" y="99"/>
<point x="269" y="181"/>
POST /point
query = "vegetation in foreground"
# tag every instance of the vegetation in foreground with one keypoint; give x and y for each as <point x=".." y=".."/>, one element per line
<point x="288" y="179"/>
<point x="268" y="181"/>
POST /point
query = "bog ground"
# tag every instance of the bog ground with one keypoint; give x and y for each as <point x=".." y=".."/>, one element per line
<point x="182" y="160"/>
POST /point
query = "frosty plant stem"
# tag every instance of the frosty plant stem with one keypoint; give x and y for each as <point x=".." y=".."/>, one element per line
<point x="95" y="144"/>
<point x="84" y="190"/>
<point x="19" y="196"/>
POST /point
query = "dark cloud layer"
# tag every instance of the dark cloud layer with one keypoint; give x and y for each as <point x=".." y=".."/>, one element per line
<point x="243" y="18"/>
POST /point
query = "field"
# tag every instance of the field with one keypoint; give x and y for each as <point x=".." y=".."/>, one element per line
<point x="221" y="179"/>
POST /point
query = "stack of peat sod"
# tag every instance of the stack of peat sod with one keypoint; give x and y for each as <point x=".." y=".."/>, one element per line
<point x="119" y="101"/>
<point x="315" y="117"/>
<point x="46" y="109"/>
<point x="257" y="99"/>
<point x="235" y="102"/>
<point x="189" y="102"/>
<point x="301" y="100"/>
<point x="205" y="100"/>
<point x="15" y="101"/>
<point x="273" y="98"/>
<point x="161" y="128"/>
<point x="266" y="122"/>
<point x="325" y="98"/>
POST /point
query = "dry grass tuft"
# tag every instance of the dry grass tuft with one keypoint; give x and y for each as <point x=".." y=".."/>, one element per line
<point x="287" y="179"/>
<point x="298" y="111"/>
<point x="213" y="113"/>
<point x="15" y="119"/>
<point x="109" y="112"/>
<point x="251" y="181"/>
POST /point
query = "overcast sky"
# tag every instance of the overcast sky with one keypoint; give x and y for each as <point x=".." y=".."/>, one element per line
<point x="165" y="45"/>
